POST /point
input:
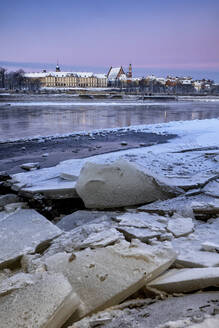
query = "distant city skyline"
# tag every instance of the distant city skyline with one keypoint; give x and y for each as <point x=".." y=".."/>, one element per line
<point x="137" y="71"/>
<point x="157" y="35"/>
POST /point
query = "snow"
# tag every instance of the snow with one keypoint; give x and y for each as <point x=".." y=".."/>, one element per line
<point x="114" y="73"/>
<point x="63" y="74"/>
<point x="100" y="76"/>
<point x="187" y="168"/>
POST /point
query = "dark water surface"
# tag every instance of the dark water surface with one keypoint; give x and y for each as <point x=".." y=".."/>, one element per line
<point x="33" y="118"/>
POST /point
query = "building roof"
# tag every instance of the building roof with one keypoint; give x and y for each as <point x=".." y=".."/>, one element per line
<point x="113" y="73"/>
<point x="100" y="76"/>
<point x="63" y="74"/>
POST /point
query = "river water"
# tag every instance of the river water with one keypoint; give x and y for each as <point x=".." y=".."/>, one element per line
<point x="27" y="118"/>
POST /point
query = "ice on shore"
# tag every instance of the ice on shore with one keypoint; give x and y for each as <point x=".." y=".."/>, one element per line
<point x="105" y="258"/>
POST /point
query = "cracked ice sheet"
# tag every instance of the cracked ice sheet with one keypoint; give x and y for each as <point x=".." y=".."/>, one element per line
<point x="178" y="168"/>
<point x="190" y="247"/>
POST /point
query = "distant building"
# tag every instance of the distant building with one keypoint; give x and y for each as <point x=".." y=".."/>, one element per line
<point x="115" y="73"/>
<point x="69" y="79"/>
<point x="117" y="77"/>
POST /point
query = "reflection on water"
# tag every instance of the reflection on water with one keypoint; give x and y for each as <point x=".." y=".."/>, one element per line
<point x="21" y="122"/>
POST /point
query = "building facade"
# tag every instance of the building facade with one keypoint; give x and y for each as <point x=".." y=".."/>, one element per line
<point x="69" y="79"/>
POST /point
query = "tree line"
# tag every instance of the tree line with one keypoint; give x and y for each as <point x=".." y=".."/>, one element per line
<point x="150" y="87"/>
<point x="17" y="81"/>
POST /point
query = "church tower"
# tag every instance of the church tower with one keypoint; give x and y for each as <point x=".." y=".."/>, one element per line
<point x="129" y="74"/>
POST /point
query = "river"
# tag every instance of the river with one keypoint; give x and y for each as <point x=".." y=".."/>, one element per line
<point x="27" y="117"/>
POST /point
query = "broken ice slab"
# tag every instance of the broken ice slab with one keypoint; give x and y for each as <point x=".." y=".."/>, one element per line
<point x="22" y="232"/>
<point x="200" y="205"/>
<point x="138" y="233"/>
<point x="142" y="220"/>
<point x="186" y="280"/>
<point x="106" y="276"/>
<point x="81" y="217"/>
<point x="120" y="184"/>
<point x="17" y="281"/>
<point x="210" y="247"/>
<point x="180" y="227"/>
<point x="142" y="226"/>
<point x="189" y="247"/>
<point x="102" y="239"/>
<point x="45" y="303"/>
<point x="33" y="178"/>
<point x="91" y="235"/>
<point x="176" y="169"/>
<point x="191" y="256"/>
<point x="30" y="166"/>
<point x="56" y="188"/>
<point x="8" y="199"/>
<point x="212" y="188"/>
<point x="14" y="206"/>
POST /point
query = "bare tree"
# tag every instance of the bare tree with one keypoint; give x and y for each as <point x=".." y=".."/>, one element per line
<point x="33" y="85"/>
<point x="2" y="77"/>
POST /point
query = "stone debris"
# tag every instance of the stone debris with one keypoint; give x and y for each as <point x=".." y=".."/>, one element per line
<point x="30" y="166"/>
<point x="186" y="280"/>
<point x="180" y="227"/>
<point x="119" y="184"/>
<point x="46" y="303"/>
<point x="23" y="232"/>
<point x="96" y="277"/>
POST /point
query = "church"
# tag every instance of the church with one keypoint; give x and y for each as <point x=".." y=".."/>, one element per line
<point x="118" y="73"/>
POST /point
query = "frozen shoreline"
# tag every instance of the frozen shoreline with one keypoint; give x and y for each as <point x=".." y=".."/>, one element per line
<point x="160" y="128"/>
<point x="179" y="234"/>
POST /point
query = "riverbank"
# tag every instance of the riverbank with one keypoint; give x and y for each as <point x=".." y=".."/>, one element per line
<point x="133" y="233"/>
<point x="49" y="152"/>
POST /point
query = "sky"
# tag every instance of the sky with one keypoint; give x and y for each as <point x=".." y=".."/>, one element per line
<point x="152" y="34"/>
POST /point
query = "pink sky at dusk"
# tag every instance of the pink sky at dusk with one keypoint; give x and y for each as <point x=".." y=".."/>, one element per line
<point x="168" y="34"/>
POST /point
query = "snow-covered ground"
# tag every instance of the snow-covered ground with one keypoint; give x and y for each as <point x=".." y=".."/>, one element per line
<point x="176" y="161"/>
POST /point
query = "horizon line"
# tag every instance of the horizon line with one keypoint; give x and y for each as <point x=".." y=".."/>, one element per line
<point x="191" y="67"/>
